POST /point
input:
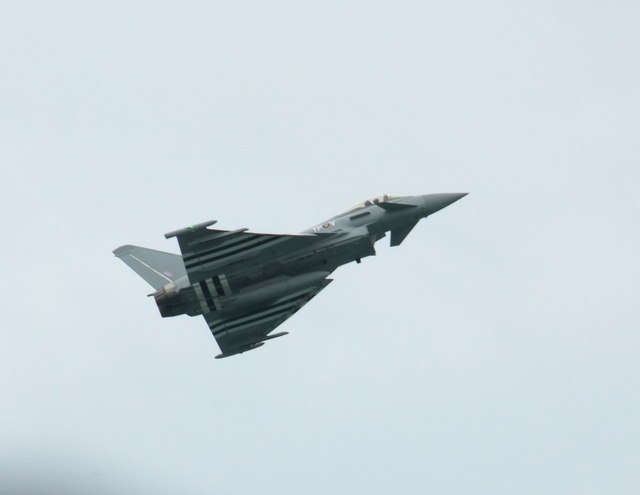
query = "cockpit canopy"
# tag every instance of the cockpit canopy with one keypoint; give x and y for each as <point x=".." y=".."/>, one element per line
<point x="369" y="202"/>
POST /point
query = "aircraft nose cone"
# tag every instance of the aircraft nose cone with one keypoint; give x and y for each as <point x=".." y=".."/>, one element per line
<point x="435" y="202"/>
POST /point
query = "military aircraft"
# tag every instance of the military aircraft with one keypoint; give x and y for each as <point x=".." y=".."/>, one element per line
<point x="246" y="284"/>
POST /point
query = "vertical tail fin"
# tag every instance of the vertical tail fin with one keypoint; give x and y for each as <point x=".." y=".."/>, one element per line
<point x="156" y="267"/>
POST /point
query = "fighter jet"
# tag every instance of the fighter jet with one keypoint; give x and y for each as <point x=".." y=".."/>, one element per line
<point x="246" y="284"/>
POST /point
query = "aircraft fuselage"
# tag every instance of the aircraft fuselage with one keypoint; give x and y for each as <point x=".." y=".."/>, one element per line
<point x="344" y="238"/>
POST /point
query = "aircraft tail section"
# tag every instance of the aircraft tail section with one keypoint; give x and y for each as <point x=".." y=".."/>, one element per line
<point x="157" y="268"/>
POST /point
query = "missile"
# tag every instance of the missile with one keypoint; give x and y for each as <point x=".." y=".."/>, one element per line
<point x="253" y="345"/>
<point x="241" y="350"/>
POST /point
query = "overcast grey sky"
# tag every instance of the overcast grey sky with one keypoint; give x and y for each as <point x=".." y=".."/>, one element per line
<point x="494" y="352"/>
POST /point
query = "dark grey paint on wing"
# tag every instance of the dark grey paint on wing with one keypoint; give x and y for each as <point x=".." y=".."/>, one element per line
<point x="246" y="284"/>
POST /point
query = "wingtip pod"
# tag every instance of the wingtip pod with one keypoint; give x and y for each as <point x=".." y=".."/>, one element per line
<point x="240" y="351"/>
<point x="191" y="228"/>
<point x="253" y="345"/>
